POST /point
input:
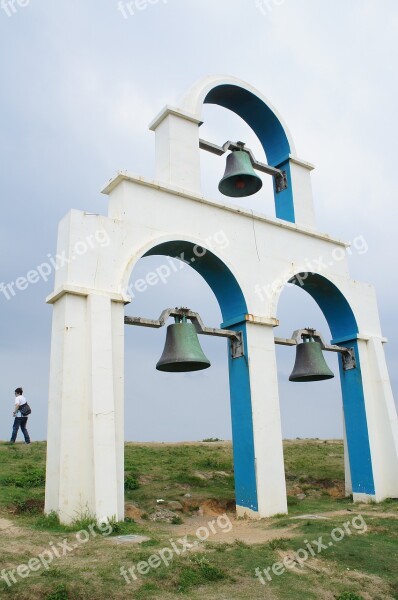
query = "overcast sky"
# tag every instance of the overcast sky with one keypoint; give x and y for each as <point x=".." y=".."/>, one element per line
<point x="80" y="81"/>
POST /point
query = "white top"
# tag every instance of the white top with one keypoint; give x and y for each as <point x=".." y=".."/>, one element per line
<point x="20" y="400"/>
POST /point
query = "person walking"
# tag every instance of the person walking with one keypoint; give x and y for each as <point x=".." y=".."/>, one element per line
<point x="19" y="422"/>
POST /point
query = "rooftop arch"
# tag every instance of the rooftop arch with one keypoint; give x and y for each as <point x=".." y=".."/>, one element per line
<point x="249" y="104"/>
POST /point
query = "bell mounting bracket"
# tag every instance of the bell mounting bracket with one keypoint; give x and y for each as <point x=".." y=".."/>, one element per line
<point x="347" y="354"/>
<point x="279" y="176"/>
<point x="235" y="337"/>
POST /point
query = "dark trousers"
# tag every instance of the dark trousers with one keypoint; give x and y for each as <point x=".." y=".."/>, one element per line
<point x="20" y="422"/>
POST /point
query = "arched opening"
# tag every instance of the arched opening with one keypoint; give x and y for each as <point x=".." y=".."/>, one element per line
<point x="172" y="407"/>
<point x="232" y="305"/>
<point x="220" y="125"/>
<point x="216" y="274"/>
<point x="267" y="125"/>
<point x="308" y="410"/>
<point x="340" y="320"/>
<point x="259" y="114"/>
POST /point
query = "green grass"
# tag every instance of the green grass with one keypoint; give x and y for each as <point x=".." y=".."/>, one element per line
<point x="194" y="474"/>
<point x="28" y="478"/>
<point x="169" y="472"/>
<point x="131" y="482"/>
<point x="60" y="593"/>
<point x="314" y="461"/>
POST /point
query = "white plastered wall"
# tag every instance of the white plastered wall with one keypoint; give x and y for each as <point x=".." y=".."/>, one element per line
<point x="86" y="424"/>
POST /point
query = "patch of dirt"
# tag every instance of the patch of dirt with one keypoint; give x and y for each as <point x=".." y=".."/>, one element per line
<point x="31" y="506"/>
<point x="145" y="479"/>
<point x="133" y="512"/>
<point x="162" y="514"/>
<point x="230" y="529"/>
<point x="214" y="507"/>
<point x="210" y="507"/>
<point x="337" y="491"/>
<point x="313" y="564"/>
<point x="372" y="586"/>
<point x="362" y="509"/>
<point x="18" y="539"/>
<point x="334" y="488"/>
<point x="379" y="515"/>
<point x="8" y="528"/>
<point x="210" y="474"/>
<point x="314" y="493"/>
<point x="200" y="475"/>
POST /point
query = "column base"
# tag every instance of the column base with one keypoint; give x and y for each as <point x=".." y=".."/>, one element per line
<point x="247" y="513"/>
<point x="364" y="498"/>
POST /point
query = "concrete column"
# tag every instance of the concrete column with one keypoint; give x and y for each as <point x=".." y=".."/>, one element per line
<point x="267" y="429"/>
<point x="85" y="470"/>
<point x="106" y="452"/>
<point x="371" y="422"/>
<point x="69" y="479"/>
<point x="117" y="309"/>
<point x="300" y="173"/>
<point x="381" y="418"/>
<point x="177" y="149"/>
<point x="256" y="426"/>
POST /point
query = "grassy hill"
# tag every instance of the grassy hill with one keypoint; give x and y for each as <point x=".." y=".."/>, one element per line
<point x="177" y="492"/>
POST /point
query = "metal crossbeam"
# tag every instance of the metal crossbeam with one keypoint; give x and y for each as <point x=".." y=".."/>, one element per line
<point x="235" y="337"/>
<point x="347" y="354"/>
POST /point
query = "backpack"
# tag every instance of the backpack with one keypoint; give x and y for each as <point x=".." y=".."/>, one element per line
<point x="25" y="409"/>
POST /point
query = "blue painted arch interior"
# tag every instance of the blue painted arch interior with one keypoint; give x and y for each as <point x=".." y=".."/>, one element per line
<point x="344" y="329"/>
<point x="217" y="275"/>
<point x="233" y="308"/>
<point x="257" y="115"/>
<point x="269" y="130"/>
<point x="331" y="301"/>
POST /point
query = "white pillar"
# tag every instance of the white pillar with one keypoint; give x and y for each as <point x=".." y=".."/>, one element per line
<point x="85" y="422"/>
<point x="381" y="418"/>
<point x="117" y="309"/>
<point x="300" y="173"/>
<point x="177" y="149"/>
<point x="105" y="450"/>
<point x="69" y="477"/>
<point x="267" y="429"/>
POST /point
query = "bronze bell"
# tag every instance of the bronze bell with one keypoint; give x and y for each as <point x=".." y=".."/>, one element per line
<point x="182" y="351"/>
<point x="239" y="178"/>
<point x="310" y="364"/>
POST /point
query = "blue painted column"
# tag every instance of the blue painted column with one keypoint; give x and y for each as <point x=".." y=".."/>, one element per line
<point x="242" y="427"/>
<point x="256" y="424"/>
<point x="344" y="328"/>
<point x="356" y="423"/>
